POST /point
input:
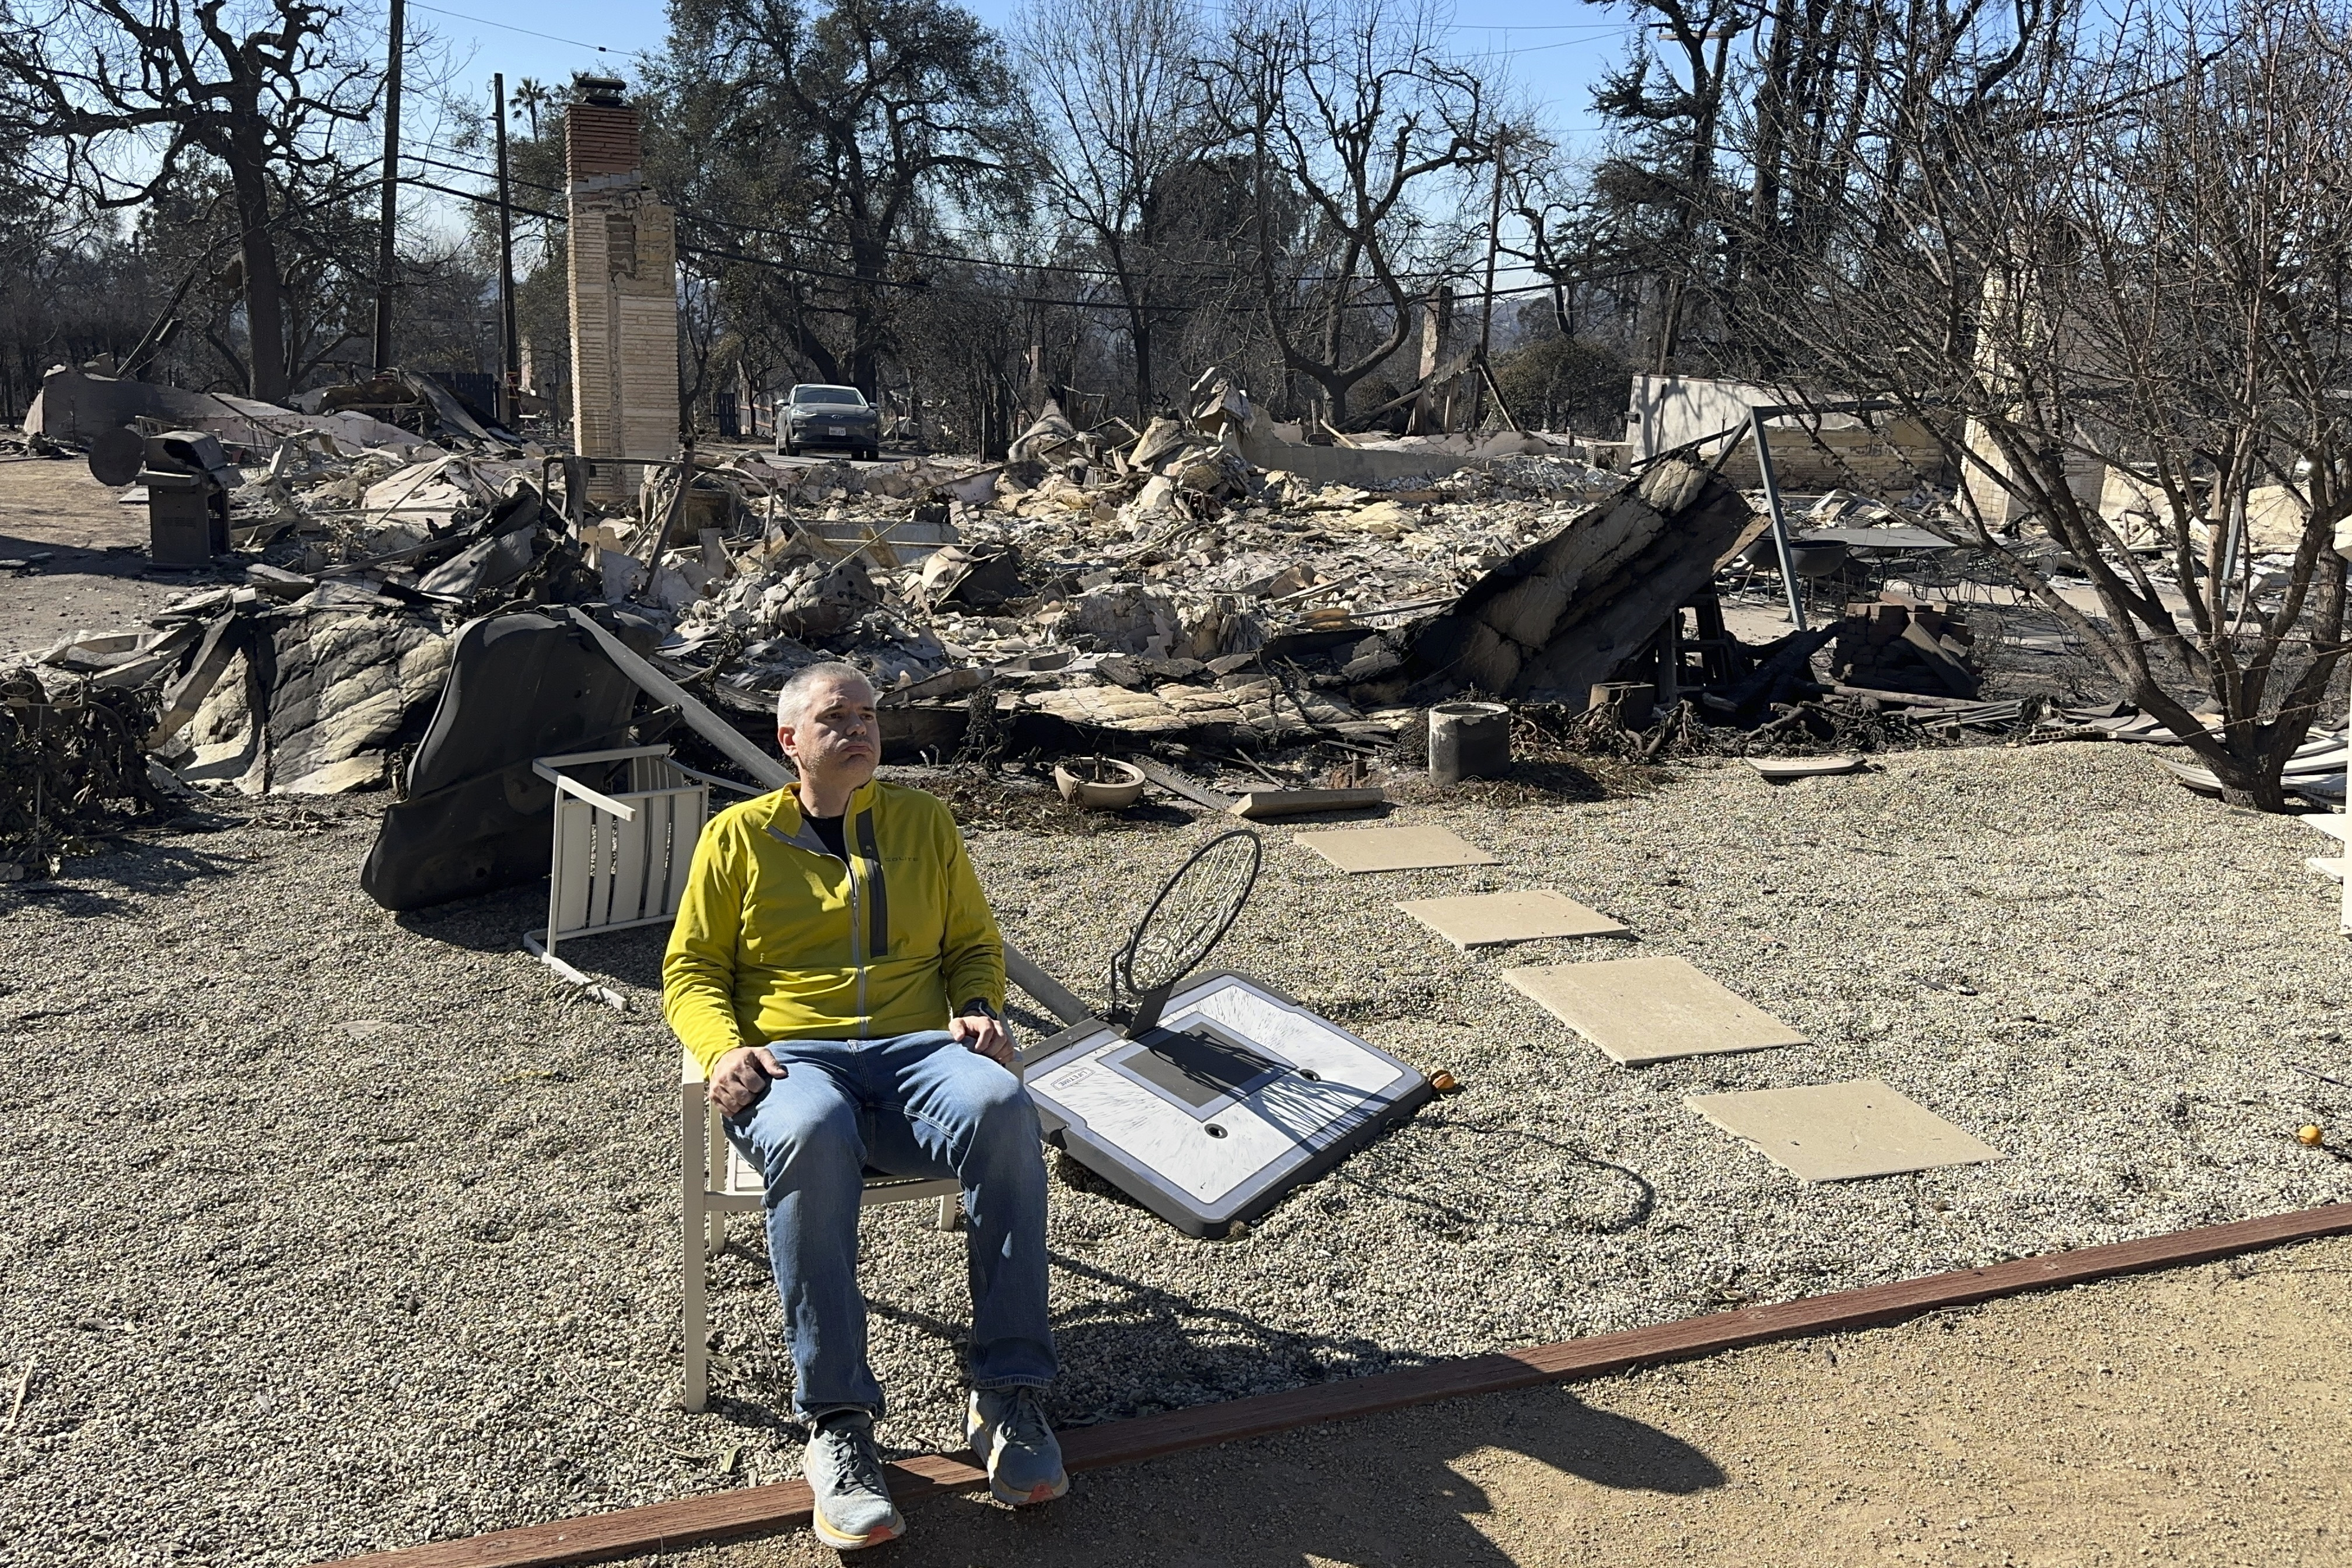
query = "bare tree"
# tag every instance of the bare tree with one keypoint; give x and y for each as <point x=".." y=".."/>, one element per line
<point x="1353" y="103"/>
<point x="1123" y="112"/>
<point x="1672" y="92"/>
<point x="2130" y="259"/>
<point x="1732" y="128"/>
<point x="852" y="128"/>
<point x="119" y="98"/>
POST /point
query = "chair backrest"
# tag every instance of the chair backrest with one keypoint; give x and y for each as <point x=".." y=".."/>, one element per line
<point x="620" y="860"/>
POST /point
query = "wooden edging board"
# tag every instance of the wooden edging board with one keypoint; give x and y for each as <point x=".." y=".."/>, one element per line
<point x="752" y="1511"/>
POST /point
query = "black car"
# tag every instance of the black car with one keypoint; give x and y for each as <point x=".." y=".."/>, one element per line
<point x="833" y="418"/>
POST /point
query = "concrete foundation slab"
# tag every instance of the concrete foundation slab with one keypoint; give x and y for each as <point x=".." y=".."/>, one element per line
<point x="1843" y="1132"/>
<point x="1497" y="919"/>
<point x="1359" y="850"/>
<point x="1651" y="1009"/>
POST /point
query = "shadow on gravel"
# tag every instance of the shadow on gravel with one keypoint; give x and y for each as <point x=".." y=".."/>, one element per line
<point x="129" y="866"/>
<point x="1140" y="1349"/>
<point x="628" y="957"/>
<point x="494" y="923"/>
<point x="61" y="899"/>
<point x="1134" y="1349"/>
<point x="488" y="922"/>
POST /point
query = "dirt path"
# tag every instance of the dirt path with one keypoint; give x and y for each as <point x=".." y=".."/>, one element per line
<point x="2193" y="1417"/>
<point x="97" y="577"/>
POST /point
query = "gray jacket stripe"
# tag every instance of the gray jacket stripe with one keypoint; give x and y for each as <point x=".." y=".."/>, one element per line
<point x="878" y="919"/>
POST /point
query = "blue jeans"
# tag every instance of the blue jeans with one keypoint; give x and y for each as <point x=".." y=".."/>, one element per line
<point x="919" y="1105"/>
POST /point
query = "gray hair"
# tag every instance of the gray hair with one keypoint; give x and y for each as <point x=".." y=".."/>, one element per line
<point x="791" y="702"/>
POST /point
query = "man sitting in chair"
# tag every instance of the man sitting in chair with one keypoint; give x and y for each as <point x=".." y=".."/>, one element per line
<point x="836" y="969"/>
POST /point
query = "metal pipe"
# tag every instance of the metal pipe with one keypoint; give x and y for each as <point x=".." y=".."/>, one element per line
<point x="1779" y="519"/>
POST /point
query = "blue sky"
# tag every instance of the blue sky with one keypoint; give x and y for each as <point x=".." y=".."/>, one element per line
<point x="1555" y="51"/>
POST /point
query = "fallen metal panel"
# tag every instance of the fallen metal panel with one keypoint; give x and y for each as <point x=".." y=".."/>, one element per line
<point x="341" y="687"/>
<point x="1565" y="612"/>
<point x="1177" y="784"/>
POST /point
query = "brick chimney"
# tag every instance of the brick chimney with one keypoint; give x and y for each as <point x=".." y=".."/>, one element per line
<point x="623" y="248"/>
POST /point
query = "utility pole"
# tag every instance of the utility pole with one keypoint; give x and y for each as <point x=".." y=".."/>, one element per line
<point x="513" y="340"/>
<point x="383" y="256"/>
<point x="1487" y="305"/>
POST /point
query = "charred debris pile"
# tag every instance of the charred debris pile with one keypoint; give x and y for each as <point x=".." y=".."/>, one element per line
<point x="1208" y="590"/>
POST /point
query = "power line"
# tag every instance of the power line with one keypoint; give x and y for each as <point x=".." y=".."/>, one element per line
<point x="800" y="236"/>
<point x="1587" y="28"/>
<point x="1535" y="27"/>
<point x="805" y="237"/>
<point x="527" y="32"/>
<point x="690" y="216"/>
<point x="926" y="288"/>
<point x="1530" y="49"/>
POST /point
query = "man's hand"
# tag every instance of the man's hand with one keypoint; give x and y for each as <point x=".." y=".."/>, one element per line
<point x="984" y="1033"/>
<point x="739" y="1078"/>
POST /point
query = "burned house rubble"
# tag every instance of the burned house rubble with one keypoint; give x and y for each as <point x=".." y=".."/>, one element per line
<point x="1098" y="591"/>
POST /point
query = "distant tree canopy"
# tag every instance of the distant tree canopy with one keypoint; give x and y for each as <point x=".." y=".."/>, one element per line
<point x="1115" y="199"/>
<point x="1109" y="199"/>
<point x="1560" y="382"/>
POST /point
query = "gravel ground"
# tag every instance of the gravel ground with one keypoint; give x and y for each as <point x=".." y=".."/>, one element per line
<point x="328" y="1230"/>
<point x="96" y="576"/>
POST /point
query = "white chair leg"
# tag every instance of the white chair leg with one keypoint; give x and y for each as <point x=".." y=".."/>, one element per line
<point x="693" y="1324"/>
<point x="950" y="1213"/>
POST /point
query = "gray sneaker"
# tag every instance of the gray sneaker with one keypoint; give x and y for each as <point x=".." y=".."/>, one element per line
<point x="1006" y="1427"/>
<point x="853" y="1507"/>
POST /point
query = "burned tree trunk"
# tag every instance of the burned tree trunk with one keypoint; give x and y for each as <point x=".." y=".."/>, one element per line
<point x="265" y="284"/>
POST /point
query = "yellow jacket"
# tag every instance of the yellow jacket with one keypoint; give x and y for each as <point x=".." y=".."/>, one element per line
<point x="777" y="940"/>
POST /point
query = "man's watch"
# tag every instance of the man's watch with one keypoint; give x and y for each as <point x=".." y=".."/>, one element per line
<point x="977" y="1007"/>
